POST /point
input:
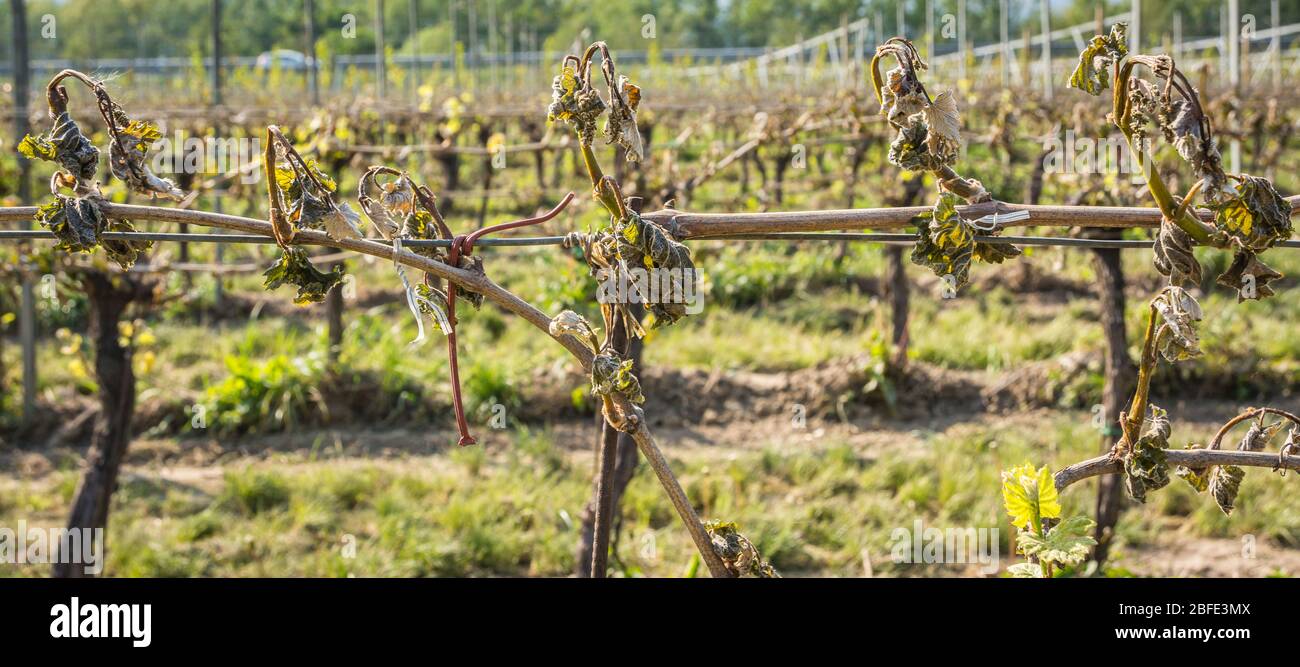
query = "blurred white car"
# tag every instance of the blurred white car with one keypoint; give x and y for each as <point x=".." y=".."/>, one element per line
<point x="286" y="59"/>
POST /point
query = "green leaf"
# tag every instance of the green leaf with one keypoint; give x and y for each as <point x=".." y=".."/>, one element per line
<point x="1026" y="571"/>
<point x="1067" y="543"/>
<point x="1029" y="496"/>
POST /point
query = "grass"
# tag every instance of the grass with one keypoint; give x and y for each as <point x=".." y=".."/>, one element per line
<point x="513" y="509"/>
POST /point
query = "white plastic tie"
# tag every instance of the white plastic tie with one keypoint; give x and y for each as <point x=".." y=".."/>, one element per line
<point x="993" y="221"/>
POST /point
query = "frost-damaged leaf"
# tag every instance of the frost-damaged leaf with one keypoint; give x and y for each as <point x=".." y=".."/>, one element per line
<point x="432" y="302"/>
<point x="1066" y="543"/>
<point x="1190" y="136"/>
<point x="945" y="243"/>
<point x="1029" y="496"/>
<point x="1259" y="434"/>
<point x="1174" y="257"/>
<point x="66" y="146"/>
<point x="1146" y="467"/>
<point x="572" y="324"/>
<point x="736" y="551"/>
<point x="75" y="222"/>
<point x="1177" y="339"/>
<point x="943" y="124"/>
<point x="1249" y="276"/>
<point x="342" y="222"/>
<point x="908" y="149"/>
<point x="38" y="148"/>
<point x="575" y="102"/>
<point x="127" y="160"/>
<point x="125" y="253"/>
<point x="1225" y="482"/>
<point x="996" y="253"/>
<point x="1252" y="213"/>
<point x="1198" y="478"/>
<point x="78" y="224"/>
<point x="611" y="373"/>
<point x="294" y="268"/>
<point x="903" y="95"/>
<point x="1092" y="75"/>
<point x="1290" y="447"/>
<point x="643" y="245"/>
<point x="620" y="125"/>
<point x="313" y="201"/>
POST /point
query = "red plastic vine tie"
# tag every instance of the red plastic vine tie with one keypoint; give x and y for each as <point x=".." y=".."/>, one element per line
<point x="453" y="258"/>
<point x="463" y="246"/>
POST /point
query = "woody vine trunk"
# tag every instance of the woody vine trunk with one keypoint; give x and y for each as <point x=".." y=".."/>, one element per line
<point x="109" y="298"/>
<point x="1118" y="384"/>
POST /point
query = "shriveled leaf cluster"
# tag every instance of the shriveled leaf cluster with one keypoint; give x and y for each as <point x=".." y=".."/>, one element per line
<point x="78" y="224"/>
<point x="66" y="146"/>
<point x="1174" y="257"/>
<point x="611" y="373"/>
<point x="945" y="243"/>
<point x="645" y="245"/>
<point x="929" y="131"/>
<point x="1092" y="74"/>
<point x="293" y="267"/>
<point x="1146" y="466"/>
<point x="574" y="100"/>
<point x="738" y="554"/>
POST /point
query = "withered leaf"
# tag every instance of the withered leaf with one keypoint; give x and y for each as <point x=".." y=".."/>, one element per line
<point x="1249" y="276"/>
<point x="1251" y="213"/>
<point x="1092" y="74"/>
<point x="1178" y="339"/>
<point x="1174" y="257"/>
<point x="1224" y="483"/>
<point x="738" y="554"/>
<point x="1146" y="467"/>
<point x="294" y="268"/>
<point x="126" y="159"/>
<point x="612" y="373"/>
<point x="945" y="243"/>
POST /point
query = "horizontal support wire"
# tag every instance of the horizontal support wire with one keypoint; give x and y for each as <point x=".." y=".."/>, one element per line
<point x="526" y="241"/>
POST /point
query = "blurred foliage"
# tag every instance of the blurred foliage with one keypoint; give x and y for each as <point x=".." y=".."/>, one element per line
<point x="144" y="28"/>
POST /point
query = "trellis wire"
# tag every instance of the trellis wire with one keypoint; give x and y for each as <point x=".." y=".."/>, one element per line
<point x="527" y="241"/>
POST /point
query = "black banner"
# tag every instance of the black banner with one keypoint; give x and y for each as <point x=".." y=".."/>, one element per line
<point x="323" y="617"/>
